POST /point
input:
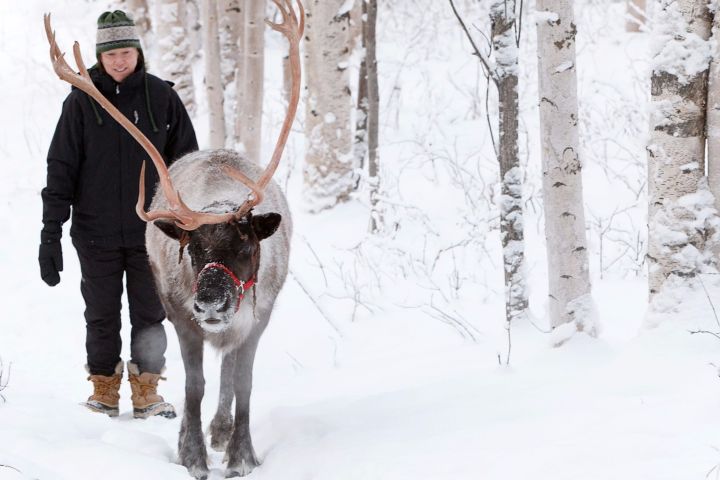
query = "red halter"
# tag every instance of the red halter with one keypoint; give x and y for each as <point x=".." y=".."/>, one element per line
<point x="240" y="286"/>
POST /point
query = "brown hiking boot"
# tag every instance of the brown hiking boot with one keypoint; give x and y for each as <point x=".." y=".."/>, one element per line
<point x="106" y="392"/>
<point x="145" y="399"/>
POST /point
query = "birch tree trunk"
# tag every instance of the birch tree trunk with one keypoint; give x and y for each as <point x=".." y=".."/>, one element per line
<point x="190" y="17"/>
<point x="213" y="82"/>
<point x="360" y="146"/>
<point x="676" y="152"/>
<point x="176" y="56"/>
<point x="357" y="14"/>
<point x="635" y="15"/>
<point x="505" y="50"/>
<point x="373" y="111"/>
<point x="329" y="174"/>
<point x="140" y="13"/>
<point x="713" y="122"/>
<point x="568" y="276"/>
<point x="239" y="103"/>
<point x="230" y="18"/>
<point x="254" y="70"/>
<point x="503" y="72"/>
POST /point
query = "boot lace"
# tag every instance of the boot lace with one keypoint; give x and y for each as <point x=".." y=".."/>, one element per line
<point x="105" y="387"/>
<point x="145" y="388"/>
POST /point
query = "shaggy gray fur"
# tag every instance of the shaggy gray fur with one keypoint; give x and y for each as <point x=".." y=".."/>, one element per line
<point x="204" y="186"/>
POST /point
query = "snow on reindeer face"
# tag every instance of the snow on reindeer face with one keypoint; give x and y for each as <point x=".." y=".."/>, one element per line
<point x="225" y="259"/>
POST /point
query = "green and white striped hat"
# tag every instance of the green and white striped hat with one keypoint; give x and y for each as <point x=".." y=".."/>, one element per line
<point x="116" y="30"/>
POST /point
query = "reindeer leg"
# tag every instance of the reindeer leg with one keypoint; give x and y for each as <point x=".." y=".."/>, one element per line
<point x="221" y="426"/>
<point x="191" y="442"/>
<point x="240" y="453"/>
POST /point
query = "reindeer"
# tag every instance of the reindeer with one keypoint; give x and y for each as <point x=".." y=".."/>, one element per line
<point x="218" y="268"/>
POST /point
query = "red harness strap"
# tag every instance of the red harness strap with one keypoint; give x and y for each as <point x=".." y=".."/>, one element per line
<point x="241" y="286"/>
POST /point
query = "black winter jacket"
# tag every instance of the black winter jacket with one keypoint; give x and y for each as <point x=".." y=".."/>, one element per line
<point x="94" y="164"/>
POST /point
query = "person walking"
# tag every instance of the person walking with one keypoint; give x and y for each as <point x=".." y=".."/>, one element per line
<point x="93" y="168"/>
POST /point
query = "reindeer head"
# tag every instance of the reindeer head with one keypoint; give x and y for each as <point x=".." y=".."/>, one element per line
<point x="225" y="259"/>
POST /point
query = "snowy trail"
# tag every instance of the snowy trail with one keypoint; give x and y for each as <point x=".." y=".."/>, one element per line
<point x="595" y="409"/>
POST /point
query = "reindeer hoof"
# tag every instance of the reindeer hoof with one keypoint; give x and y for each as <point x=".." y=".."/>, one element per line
<point x="241" y="470"/>
<point x="221" y="429"/>
<point x="198" y="473"/>
<point x="193" y="455"/>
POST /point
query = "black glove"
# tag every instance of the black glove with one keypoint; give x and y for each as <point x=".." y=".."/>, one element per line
<point x="50" y="257"/>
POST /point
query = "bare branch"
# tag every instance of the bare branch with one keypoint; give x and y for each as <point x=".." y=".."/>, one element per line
<point x="714" y="334"/>
<point x="317" y="305"/>
<point x="707" y="295"/>
<point x="518" y="24"/>
<point x="487" y="116"/>
<point x="478" y="53"/>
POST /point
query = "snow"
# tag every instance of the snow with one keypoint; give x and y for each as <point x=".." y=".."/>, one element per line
<point x="345" y="8"/>
<point x="381" y="359"/>
<point x="676" y="48"/>
<point x="564" y="66"/>
<point x="545" y="16"/>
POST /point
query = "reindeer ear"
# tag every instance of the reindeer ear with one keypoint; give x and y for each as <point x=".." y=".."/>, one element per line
<point x="169" y="229"/>
<point x="265" y="224"/>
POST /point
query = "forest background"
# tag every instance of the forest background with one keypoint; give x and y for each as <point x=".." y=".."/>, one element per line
<point x="390" y="354"/>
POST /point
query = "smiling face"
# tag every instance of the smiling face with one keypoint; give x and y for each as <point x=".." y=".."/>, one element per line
<point x="120" y="62"/>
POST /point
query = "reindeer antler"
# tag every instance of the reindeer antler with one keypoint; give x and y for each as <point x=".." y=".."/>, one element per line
<point x="184" y="217"/>
<point x="293" y="30"/>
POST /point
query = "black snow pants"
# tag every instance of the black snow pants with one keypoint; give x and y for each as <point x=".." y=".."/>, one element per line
<point x="102" y="271"/>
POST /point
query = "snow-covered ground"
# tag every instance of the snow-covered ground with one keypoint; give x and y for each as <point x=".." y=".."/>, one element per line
<point x="376" y="366"/>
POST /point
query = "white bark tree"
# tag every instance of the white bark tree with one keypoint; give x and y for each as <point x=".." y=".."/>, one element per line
<point x="680" y="211"/>
<point x="502" y="71"/>
<point x="360" y="147"/>
<point x="239" y="84"/>
<point x="213" y="80"/>
<point x="373" y="110"/>
<point x="175" y="49"/>
<point x="249" y="114"/>
<point x="635" y="15"/>
<point x="329" y="173"/>
<point x="713" y="120"/>
<point x="140" y="14"/>
<point x="230" y="17"/>
<point x="569" y="291"/>
<point x="190" y="16"/>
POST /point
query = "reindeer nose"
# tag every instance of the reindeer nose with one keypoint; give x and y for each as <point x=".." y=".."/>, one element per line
<point x="211" y="312"/>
